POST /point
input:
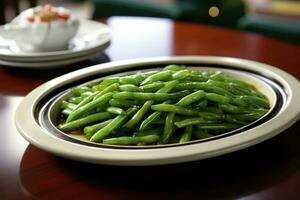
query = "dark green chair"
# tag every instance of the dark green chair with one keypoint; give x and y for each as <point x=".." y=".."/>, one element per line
<point x="277" y="27"/>
<point x="186" y="10"/>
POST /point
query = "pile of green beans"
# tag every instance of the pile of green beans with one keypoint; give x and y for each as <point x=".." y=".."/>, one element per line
<point x="175" y="104"/>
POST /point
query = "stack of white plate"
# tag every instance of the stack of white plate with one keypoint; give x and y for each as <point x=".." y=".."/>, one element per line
<point x="92" y="38"/>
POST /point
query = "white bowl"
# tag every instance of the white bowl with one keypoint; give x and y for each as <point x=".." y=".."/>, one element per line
<point x="38" y="111"/>
<point x="41" y="36"/>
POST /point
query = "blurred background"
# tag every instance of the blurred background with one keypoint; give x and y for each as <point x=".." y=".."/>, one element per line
<point x="279" y="19"/>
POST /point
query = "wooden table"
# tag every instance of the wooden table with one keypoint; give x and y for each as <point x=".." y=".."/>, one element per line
<point x="270" y="170"/>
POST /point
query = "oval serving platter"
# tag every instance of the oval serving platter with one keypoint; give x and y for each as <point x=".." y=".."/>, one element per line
<point x="37" y="113"/>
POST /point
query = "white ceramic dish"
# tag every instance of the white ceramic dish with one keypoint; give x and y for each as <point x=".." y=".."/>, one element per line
<point x="91" y="36"/>
<point x="30" y="123"/>
<point x="34" y="34"/>
<point x="54" y="63"/>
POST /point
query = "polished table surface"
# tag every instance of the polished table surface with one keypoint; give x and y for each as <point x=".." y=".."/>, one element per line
<point x="269" y="170"/>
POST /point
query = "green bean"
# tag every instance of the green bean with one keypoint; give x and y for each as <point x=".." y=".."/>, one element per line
<point x="169" y="128"/>
<point x="111" y="88"/>
<point x="148" y="121"/>
<point x="186" y="111"/>
<point x="203" y="86"/>
<point x="115" y="110"/>
<point x="249" y="116"/>
<point x="75" y="100"/>
<point x="89" y="106"/>
<point x="68" y="105"/>
<point x="129" y="88"/>
<point x="191" y="98"/>
<point x="85" y="120"/>
<point x="124" y="103"/>
<point x="217" y="98"/>
<point x="250" y="101"/>
<point x="219" y="76"/>
<point x="109" y="81"/>
<point x="187" y="134"/>
<point x="150" y="96"/>
<point x="86" y="94"/>
<point x="114" y="124"/>
<point x="196" y="78"/>
<point x="174" y="67"/>
<point x="155" y="131"/>
<point x="191" y="121"/>
<point x="236" y="89"/>
<point x="77" y="91"/>
<point x="66" y="111"/>
<point x="139" y="115"/>
<point x="226" y="126"/>
<point x="231" y="119"/>
<point x="133" y="79"/>
<point x="152" y="87"/>
<point x="159" y="76"/>
<point x="168" y="86"/>
<point x="90" y="130"/>
<point x="149" y="139"/>
<point x="237" y="109"/>
<point x="181" y="74"/>
<point x="86" y="100"/>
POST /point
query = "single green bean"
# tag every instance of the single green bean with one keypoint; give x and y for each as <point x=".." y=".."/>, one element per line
<point x="124" y="103"/>
<point x="114" y="124"/>
<point x="155" y="131"/>
<point x="217" y="98"/>
<point x="115" y="110"/>
<point x="238" y="109"/>
<point x="249" y="116"/>
<point x="66" y="111"/>
<point x="191" y="121"/>
<point x="202" y="86"/>
<point x="75" y="100"/>
<point x="187" y="135"/>
<point x="191" y="98"/>
<point x="68" y="105"/>
<point x="150" y="96"/>
<point x="77" y="91"/>
<point x="174" y="67"/>
<point x="152" y="87"/>
<point x="85" y="120"/>
<point x="159" y="76"/>
<point x="129" y="88"/>
<point x="223" y="126"/>
<point x="90" y="130"/>
<point x="186" y="111"/>
<point x="220" y="76"/>
<point x="109" y="81"/>
<point x="111" y="88"/>
<point x="250" y="101"/>
<point x="182" y="74"/>
<point x="86" y="100"/>
<point x="126" y="140"/>
<point x="139" y="115"/>
<point x="168" y="129"/>
<point x="149" y="120"/>
<point x="89" y="106"/>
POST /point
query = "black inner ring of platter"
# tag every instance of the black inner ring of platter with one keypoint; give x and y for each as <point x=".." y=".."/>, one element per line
<point x="42" y="108"/>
